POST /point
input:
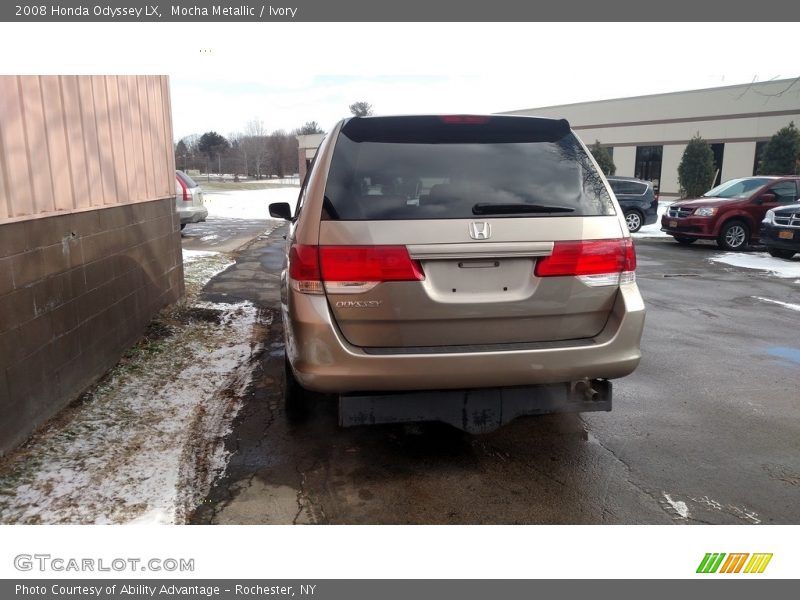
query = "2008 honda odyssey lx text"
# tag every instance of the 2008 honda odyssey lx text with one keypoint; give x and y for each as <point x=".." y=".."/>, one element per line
<point x="466" y="269"/>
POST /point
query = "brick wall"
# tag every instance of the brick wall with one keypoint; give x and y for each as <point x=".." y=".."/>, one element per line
<point x="75" y="291"/>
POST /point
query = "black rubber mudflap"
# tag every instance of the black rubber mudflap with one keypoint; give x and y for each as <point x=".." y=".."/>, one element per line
<point x="475" y="411"/>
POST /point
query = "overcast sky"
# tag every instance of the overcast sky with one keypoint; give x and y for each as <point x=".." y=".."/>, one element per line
<point x="286" y="74"/>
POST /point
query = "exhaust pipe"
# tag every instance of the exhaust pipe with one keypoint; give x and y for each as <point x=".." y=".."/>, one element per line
<point x="584" y="389"/>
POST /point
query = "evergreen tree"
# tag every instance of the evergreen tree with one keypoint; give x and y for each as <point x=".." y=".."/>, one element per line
<point x="309" y="128"/>
<point x="696" y="171"/>
<point x="781" y="153"/>
<point x="211" y="144"/>
<point x="603" y="158"/>
<point x="181" y="154"/>
<point x="361" y="109"/>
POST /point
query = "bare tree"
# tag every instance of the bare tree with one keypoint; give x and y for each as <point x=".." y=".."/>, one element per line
<point x="254" y="143"/>
<point x="236" y="159"/>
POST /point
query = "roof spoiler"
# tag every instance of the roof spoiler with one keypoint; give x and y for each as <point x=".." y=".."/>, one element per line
<point x="455" y="129"/>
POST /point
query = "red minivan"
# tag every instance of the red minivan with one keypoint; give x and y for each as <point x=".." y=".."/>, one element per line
<point x="730" y="213"/>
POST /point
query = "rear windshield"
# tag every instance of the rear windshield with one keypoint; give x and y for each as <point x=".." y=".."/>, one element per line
<point x="398" y="168"/>
<point x="187" y="181"/>
<point x="631" y="188"/>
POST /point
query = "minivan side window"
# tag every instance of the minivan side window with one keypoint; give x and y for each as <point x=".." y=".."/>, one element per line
<point x="628" y="187"/>
<point x="301" y="196"/>
<point x="785" y="192"/>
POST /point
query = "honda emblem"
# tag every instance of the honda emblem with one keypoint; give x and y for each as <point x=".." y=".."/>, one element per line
<point x="480" y="230"/>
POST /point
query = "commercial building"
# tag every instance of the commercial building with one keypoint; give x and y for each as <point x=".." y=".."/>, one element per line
<point x="647" y="135"/>
<point x="306" y="149"/>
<point x="89" y="238"/>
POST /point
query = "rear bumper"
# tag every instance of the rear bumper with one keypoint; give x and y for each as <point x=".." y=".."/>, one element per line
<point x="323" y="361"/>
<point x="651" y="214"/>
<point x="192" y="214"/>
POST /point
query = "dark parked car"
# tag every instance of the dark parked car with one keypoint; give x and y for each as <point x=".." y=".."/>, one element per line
<point x="780" y="231"/>
<point x="637" y="200"/>
<point x="729" y="213"/>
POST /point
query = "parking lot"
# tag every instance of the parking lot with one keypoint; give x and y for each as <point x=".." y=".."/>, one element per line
<point x="707" y="430"/>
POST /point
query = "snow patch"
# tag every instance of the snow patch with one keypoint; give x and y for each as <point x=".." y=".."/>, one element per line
<point x="679" y="506"/>
<point x="193" y="255"/>
<point x="199" y="266"/>
<point x="148" y="443"/>
<point x="779" y="303"/>
<point x="778" y="267"/>
<point x="740" y="513"/>
<point x="248" y="204"/>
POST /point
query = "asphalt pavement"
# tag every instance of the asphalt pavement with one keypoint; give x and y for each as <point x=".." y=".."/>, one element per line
<point x="221" y="234"/>
<point x="707" y="430"/>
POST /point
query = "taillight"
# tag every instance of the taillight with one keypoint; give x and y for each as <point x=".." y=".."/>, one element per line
<point x="187" y="197"/>
<point x="368" y="263"/>
<point x="304" y="269"/>
<point x="349" y="269"/>
<point x="595" y="262"/>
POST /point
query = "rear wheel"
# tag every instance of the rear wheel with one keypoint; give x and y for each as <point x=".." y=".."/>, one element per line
<point x="734" y="236"/>
<point x="183" y="225"/>
<point x="634" y="220"/>
<point x="685" y="241"/>
<point x="779" y="253"/>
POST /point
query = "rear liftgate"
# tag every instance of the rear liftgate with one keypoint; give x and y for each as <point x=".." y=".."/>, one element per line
<point x="474" y="411"/>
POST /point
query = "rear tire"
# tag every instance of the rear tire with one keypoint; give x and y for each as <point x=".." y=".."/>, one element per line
<point x="779" y="253"/>
<point x="684" y="241"/>
<point x="183" y="226"/>
<point x="634" y="220"/>
<point x="734" y="236"/>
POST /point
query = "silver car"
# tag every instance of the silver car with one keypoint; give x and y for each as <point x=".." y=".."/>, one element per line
<point x="466" y="269"/>
<point x="189" y="200"/>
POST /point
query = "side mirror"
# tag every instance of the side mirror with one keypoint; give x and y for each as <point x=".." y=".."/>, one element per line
<point x="766" y="197"/>
<point x="280" y="210"/>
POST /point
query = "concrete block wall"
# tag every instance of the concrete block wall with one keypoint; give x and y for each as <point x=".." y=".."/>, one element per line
<point x="76" y="290"/>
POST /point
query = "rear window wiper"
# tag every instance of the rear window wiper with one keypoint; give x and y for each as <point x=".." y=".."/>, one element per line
<point x="486" y="208"/>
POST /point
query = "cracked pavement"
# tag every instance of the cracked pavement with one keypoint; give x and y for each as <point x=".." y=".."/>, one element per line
<point x="707" y="430"/>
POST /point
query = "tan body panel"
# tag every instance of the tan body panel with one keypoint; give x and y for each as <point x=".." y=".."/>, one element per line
<point x="323" y="361"/>
<point x="474" y="292"/>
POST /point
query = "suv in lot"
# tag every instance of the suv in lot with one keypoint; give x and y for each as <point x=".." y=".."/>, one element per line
<point x="189" y="200"/>
<point x="730" y="213"/>
<point x="637" y="200"/>
<point x="780" y="231"/>
<point x="466" y="269"/>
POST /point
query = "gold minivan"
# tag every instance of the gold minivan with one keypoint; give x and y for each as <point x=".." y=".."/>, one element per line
<point x="462" y="268"/>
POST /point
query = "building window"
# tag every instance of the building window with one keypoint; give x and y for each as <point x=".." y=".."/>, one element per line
<point x="758" y="156"/>
<point x="648" y="164"/>
<point x="610" y="150"/>
<point x="719" y="151"/>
